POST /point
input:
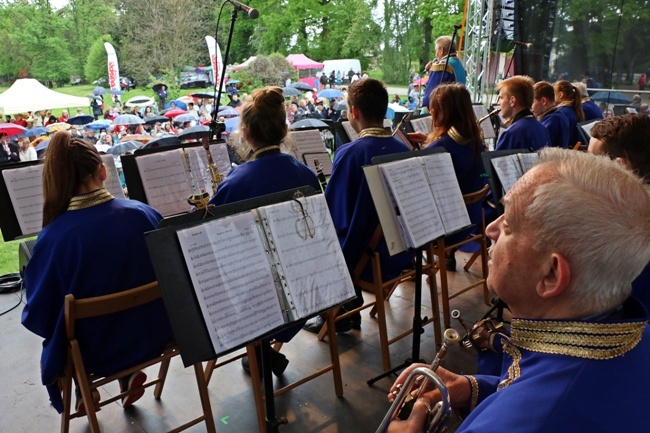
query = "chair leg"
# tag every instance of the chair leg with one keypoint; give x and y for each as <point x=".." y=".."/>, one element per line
<point x="433" y="293"/>
<point x="381" y="313"/>
<point x="444" y="286"/>
<point x="387" y="295"/>
<point x="162" y="376"/>
<point x="65" y="384"/>
<point x="209" y="369"/>
<point x="332" y="340"/>
<point x="205" y="398"/>
<point x="472" y="259"/>
<point x="258" y="393"/>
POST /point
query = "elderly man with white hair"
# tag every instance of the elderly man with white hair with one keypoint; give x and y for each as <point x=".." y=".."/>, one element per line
<point x="574" y="235"/>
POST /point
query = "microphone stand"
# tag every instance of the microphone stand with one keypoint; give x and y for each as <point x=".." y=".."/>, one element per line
<point x="514" y="51"/>
<point x="451" y="44"/>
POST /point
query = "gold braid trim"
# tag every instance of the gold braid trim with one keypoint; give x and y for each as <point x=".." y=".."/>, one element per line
<point x="455" y="135"/>
<point x="579" y="339"/>
<point x="262" y="150"/>
<point x="94" y="198"/>
<point x="374" y="132"/>
<point x="438" y="67"/>
<point x="514" y="371"/>
<point x="473" y="383"/>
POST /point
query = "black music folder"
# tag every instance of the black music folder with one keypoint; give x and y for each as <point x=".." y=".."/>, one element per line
<point x="249" y="270"/>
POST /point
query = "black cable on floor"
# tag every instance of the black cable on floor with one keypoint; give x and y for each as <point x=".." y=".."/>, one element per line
<point x="10" y="283"/>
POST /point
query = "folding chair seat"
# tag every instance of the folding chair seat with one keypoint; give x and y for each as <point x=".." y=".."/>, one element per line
<point x="77" y="309"/>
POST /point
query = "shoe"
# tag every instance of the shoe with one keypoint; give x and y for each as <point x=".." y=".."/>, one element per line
<point x="79" y="404"/>
<point x="355" y="321"/>
<point x="450" y="264"/>
<point x="316" y="324"/>
<point x="136" y="380"/>
<point x="279" y="362"/>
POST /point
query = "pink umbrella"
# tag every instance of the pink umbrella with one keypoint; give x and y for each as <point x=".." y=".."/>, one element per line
<point x="421" y="81"/>
<point x="173" y="113"/>
<point x="11" y="129"/>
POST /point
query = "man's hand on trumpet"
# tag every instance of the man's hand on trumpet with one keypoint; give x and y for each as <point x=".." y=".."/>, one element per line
<point x="415" y="422"/>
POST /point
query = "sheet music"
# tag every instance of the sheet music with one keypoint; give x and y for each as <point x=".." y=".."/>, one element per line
<point x="112" y="182"/>
<point x="232" y="279"/>
<point x="314" y="268"/>
<point x="586" y="127"/>
<point x="481" y="111"/>
<point x="527" y="161"/>
<point x="25" y="187"/>
<point x="352" y="134"/>
<point x="309" y="146"/>
<point x="165" y="181"/>
<point x="446" y="191"/>
<point x="220" y="157"/>
<point x="422" y="124"/>
<point x="508" y="170"/>
<point x="417" y="208"/>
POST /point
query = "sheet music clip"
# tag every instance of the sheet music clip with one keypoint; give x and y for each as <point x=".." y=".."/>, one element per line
<point x="200" y="202"/>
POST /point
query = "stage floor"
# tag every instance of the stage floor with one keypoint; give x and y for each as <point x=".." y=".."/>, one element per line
<point x="312" y="407"/>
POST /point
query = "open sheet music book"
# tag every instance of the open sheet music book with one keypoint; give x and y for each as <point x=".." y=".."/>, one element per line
<point x="421" y="124"/>
<point x="259" y="270"/>
<point x="418" y="200"/>
<point x="310" y="146"/>
<point x="25" y="187"/>
<point x="170" y="177"/>
<point x="511" y="167"/>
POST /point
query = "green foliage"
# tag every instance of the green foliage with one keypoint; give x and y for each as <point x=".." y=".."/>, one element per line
<point x="264" y="71"/>
<point x="97" y="60"/>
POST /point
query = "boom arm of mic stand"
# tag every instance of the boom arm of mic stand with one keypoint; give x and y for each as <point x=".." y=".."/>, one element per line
<point x="215" y="110"/>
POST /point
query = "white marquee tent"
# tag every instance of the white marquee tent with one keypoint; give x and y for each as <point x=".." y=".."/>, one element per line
<point x="28" y="94"/>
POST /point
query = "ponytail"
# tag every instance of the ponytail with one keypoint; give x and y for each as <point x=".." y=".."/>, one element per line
<point x="570" y="93"/>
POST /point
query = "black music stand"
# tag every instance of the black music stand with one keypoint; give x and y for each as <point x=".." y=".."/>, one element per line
<point x="8" y="220"/>
<point x="496" y="188"/>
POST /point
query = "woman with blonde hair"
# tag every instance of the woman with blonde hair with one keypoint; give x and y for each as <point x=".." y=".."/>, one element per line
<point x="26" y="151"/>
<point x="91" y="244"/>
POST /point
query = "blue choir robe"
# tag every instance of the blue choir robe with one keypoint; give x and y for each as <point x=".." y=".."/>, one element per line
<point x="438" y="75"/>
<point x="266" y="175"/>
<point x="565" y="393"/>
<point x="570" y="114"/>
<point x="641" y="287"/>
<point x="91" y="252"/>
<point x="558" y="128"/>
<point x="353" y="211"/>
<point x="469" y="170"/>
<point x="525" y="133"/>
<point x="591" y="110"/>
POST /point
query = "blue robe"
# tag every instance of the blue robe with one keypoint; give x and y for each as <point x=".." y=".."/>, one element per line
<point x="438" y="75"/>
<point x="91" y="252"/>
<point x="570" y="114"/>
<point x="525" y="133"/>
<point x="641" y="288"/>
<point x="591" y="110"/>
<point x="266" y="175"/>
<point x="562" y="393"/>
<point x="352" y="208"/>
<point x="558" y="128"/>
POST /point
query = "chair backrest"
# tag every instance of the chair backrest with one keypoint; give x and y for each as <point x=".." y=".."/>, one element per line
<point x="75" y="309"/>
<point x="476" y="196"/>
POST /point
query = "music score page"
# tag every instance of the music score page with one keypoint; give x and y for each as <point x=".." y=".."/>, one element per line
<point x="446" y="191"/>
<point x="165" y="181"/>
<point x="25" y="187"/>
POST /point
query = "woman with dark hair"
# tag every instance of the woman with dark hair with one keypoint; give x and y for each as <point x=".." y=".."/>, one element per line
<point x="91" y="244"/>
<point x="455" y="128"/>
<point x="569" y="102"/>
<point x="267" y="170"/>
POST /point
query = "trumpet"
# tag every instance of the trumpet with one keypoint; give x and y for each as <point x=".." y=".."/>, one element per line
<point x="405" y="398"/>
<point x="481" y="334"/>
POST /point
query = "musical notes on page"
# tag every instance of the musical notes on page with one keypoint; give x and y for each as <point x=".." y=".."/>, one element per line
<point x="422" y="124"/>
<point x="25" y="187"/>
<point x="446" y="191"/>
<point x="232" y="278"/>
<point x="112" y="182"/>
<point x="347" y="127"/>
<point x="511" y="167"/>
<point x="165" y="181"/>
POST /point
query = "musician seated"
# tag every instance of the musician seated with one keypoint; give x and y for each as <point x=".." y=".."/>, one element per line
<point x="546" y="112"/>
<point x="91" y="244"/>
<point x="569" y="103"/>
<point x="267" y="170"/>
<point x="580" y="345"/>
<point x="516" y="96"/>
<point x="348" y="197"/>
<point x="455" y="129"/>
<point x="626" y="139"/>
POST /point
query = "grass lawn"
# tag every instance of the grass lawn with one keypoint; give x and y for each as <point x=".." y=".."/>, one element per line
<point x="8" y="256"/>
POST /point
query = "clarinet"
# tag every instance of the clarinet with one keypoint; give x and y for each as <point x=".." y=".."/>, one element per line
<point x="321" y="176"/>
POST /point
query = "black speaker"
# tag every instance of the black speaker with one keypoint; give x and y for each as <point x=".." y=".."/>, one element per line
<point x="24" y="254"/>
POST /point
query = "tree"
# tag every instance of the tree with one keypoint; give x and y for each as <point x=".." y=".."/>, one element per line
<point x="264" y="71"/>
<point x="97" y="60"/>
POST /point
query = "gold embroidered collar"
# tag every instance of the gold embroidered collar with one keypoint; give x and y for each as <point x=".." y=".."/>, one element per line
<point x="374" y="132"/>
<point x="455" y="135"/>
<point x="258" y="152"/>
<point x="90" y="199"/>
<point x="579" y="339"/>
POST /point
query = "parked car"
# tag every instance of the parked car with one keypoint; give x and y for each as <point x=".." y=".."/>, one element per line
<point x="76" y="81"/>
<point x="128" y="83"/>
<point x="194" y="81"/>
<point x="103" y="81"/>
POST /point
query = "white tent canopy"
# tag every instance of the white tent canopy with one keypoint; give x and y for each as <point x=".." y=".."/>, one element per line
<point x="28" y="94"/>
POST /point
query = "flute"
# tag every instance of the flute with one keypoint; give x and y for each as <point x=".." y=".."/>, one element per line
<point x="487" y="116"/>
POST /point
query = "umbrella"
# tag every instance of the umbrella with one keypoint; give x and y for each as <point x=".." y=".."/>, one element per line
<point x="33" y="132"/>
<point x="302" y="86"/>
<point x="12" y="129"/>
<point x="187" y="99"/>
<point x="309" y="123"/>
<point x="395" y="108"/>
<point x="101" y="147"/>
<point x="99" y="90"/>
<point x="150" y="120"/>
<point x="611" y="97"/>
<point x="232" y="124"/>
<point x="158" y="86"/>
<point x="330" y="93"/>
<point x="56" y="127"/>
<point x="290" y="91"/>
<point x="175" y="112"/>
<point x="187" y="117"/>
<point x="42" y="145"/>
<point x="98" y="124"/>
<point x="179" y="104"/>
<point x="115" y="92"/>
<point x="341" y="105"/>
<point x="122" y="147"/>
<point x="204" y="95"/>
<point x="233" y="81"/>
<point x="80" y="119"/>
<point x="227" y="112"/>
<point x="163" y="140"/>
<point x="141" y="138"/>
<point x="195" y="132"/>
<point x="420" y="82"/>
<point x="127" y="119"/>
<point x="95" y="97"/>
<point x="142" y="101"/>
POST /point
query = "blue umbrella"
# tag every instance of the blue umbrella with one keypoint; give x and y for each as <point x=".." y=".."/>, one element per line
<point x="99" y="90"/>
<point x="80" y="119"/>
<point x="232" y="124"/>
<point x="43" y="145"/>
<point x="291" y="91"/>
<point x="33" y="132"/>
<point x="187" y="117"/>
<point x="115" y="92"/>
<point x="179" y="104"/>
<point x="98" y="124"/>
<point x="233" y="81"/>
<point x="330" y="93"/>
<point x="127" y="119"/>
<point x="227" y="112"/>
<point x="611" y="97"/>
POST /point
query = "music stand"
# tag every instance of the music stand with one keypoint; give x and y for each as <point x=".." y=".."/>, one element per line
<point x="493" y="180"/>
<point x="8" y="220"/>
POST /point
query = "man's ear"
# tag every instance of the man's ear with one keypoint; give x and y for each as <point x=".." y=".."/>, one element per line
<point x="625" y="163"/>
<point x="556" y="278"/>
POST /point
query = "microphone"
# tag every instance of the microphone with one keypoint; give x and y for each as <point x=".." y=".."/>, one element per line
<point x="252" y="12"/>
<point x="523" y="44"/>
<point x="458" y="26"/>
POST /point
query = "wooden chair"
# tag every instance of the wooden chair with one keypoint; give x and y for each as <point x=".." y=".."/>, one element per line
<point x="441" y="250"/>
<point x="383" y="290"/>
<point x="76" y="309"/>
